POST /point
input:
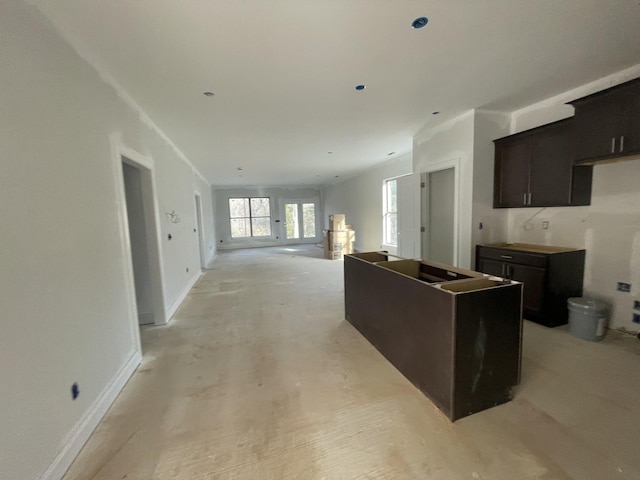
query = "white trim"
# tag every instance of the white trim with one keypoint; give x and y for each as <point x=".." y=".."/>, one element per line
<point x="82" y="430"/>
<point x="170" y="312"/>
<point x="436" y="167"/>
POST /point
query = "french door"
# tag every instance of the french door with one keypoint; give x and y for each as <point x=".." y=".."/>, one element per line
<point x="300" y="221"/>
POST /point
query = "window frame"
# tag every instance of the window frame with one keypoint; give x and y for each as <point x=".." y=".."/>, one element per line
<point x="387" y="212"/>
<point x="251" y="217"/>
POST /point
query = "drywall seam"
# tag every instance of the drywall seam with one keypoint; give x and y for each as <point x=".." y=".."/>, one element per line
<point x="106" y="77"/>
<point x="80" y="433"/>
<point x="174" y="307"/>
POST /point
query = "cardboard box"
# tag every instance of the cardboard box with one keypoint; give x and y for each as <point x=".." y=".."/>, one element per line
<point x="338" y="243"/>
<point x="337" y="221"/>
<point x="336" y="256"/>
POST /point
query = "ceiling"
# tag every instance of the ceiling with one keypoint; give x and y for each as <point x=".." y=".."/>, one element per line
<point x="283" y="72"/>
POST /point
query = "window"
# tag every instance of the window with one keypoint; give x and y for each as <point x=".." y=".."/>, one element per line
<point x="250" y="217"/>
<point x="390" y="212"/>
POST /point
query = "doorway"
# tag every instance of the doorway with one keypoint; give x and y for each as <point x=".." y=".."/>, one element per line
<point x="300" y="221"/>
<point x="440" y="214"/>
<point x="201" y="241"/>
<point x="142" y="237"/>
<point x="138" y="242"/>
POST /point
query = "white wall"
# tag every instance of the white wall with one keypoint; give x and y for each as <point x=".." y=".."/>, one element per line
<point x="609" y="229"/>
<point x="439" y="144"/>
<point x="360" y="199"/>
<point x="277" y="195"/>
<point x="488" y="126"/>
<point x="65" y="279"/>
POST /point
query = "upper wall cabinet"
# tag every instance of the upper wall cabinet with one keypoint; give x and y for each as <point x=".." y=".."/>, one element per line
<point x="536" y="168"/>
<point x="607" y="124"/>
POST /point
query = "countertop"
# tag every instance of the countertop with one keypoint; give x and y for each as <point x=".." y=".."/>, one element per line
<point x="528" y="247"/>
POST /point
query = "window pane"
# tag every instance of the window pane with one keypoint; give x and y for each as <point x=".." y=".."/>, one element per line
<point x="391" y="229"/>
<point x="240" y="228"/>
<point x="260" y="207"/>
<point x="309" y="220"/>
<point x="238" y="207"/>
<point x="392" y="204"/>
<point x="261" y="227"/>
<point x="291" y="220"/>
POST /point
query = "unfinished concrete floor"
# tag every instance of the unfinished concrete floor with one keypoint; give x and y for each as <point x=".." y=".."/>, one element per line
<point x="260" y="377"/>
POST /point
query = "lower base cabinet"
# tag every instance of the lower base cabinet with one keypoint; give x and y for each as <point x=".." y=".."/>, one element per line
<point x="454" y="333"/>
<point x="550" y="275"/>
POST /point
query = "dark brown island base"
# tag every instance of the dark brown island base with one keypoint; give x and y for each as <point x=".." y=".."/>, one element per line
<point x="455" y="334"/>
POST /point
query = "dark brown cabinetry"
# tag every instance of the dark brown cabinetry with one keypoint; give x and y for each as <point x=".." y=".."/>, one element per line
<point x="455" y="334"/>
<point x="550" y="276"/>
<point x="536" y="168"/>
<point x="607" y="123"/>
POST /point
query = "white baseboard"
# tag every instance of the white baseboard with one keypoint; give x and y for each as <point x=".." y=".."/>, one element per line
<point x="81" y="431"/>
<point x="174" y="307"/>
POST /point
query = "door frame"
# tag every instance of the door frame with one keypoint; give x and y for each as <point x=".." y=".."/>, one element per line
<point x="424" y="208"/>
<point x="200" y="227"/>
<point x="123" y="154"/>
<point x="283" y="223"/>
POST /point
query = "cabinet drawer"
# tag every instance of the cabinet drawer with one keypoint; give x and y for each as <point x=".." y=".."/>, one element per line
<point x="513" y="256"/>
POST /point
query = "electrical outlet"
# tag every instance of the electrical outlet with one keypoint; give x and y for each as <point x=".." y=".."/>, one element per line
<point x="636" y="318"/>
<point x="545" y="225"/>
<point x="623" y="287"/>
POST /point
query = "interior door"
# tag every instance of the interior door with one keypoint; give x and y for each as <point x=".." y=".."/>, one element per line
<point x="439" y="236"/>
<point x="300" y="221"/>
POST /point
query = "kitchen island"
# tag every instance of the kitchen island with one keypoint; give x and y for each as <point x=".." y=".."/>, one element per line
<point x="454" y="333"/>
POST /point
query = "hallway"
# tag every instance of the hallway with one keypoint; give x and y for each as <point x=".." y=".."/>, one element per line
<point x="259" y="377"/>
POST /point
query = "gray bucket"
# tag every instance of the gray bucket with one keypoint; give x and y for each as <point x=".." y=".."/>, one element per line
<point x="588" y="318"/>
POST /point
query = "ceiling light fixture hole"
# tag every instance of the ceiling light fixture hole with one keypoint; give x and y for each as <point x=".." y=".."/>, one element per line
<point x="208" y="94"/>
<point x="360" y="87"/>
<point x="419" y="22"/>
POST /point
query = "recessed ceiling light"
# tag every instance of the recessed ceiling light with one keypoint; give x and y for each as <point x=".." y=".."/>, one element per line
<point x="435" y="113"/>
<point x="360" y="87"/>
<point x="419" y="22"/>
<point x="329" y="153"/>
<point x="390" y="153"/>
<point x="208" y="94"/>
<point x="239" y="169"/>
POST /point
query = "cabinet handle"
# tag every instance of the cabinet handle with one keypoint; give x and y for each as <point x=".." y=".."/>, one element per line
<point x="529" y="201"/>
<point x="622" y="143"/>
<point x="524" y="198"/>
<point x="613" y="144"/>
<point x="506" y="256"/>
<point x="504" y="275"/>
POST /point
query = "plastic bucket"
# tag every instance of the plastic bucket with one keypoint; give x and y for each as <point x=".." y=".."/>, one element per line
<point x="588" y="318"/>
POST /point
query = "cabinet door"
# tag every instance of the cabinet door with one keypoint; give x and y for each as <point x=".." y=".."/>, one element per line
<point x="534" y="282"/>
<point x="491" y="267"/>
<point x="511" y="173"/>
<point x="551" y="167"/>
<point x="598" y="127"/>
<point x="631" y="132"/>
